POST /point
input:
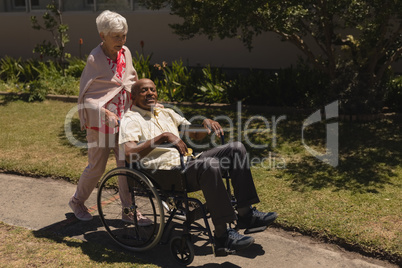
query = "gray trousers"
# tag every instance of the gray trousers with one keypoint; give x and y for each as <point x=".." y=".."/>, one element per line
<point x="205" y="173"/>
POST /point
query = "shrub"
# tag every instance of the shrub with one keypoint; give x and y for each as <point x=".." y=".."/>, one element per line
<point x="10" y="69"/>
<point x="298" y="86"/>
<point x="212" y="87"/>
<point x="143" y="65"/>
<point x="174" y="82"/>
<point x="393" y="97"/>
<point x="75" y="67"/>
<point x="39" y="78"/>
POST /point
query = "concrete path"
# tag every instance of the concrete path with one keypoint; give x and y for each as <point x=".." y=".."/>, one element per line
<point x="41" y="204"/>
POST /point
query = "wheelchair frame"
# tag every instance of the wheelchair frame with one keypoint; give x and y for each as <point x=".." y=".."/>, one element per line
<point x="151" y="200"/>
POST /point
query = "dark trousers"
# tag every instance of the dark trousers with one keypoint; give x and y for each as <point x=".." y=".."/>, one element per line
<point x="205" y="173"/>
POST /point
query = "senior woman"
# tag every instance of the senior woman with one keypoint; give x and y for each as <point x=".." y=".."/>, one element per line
<point x="105" y="89"/>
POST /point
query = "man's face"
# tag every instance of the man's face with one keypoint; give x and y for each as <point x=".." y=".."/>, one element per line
<point x="145" y="95"/>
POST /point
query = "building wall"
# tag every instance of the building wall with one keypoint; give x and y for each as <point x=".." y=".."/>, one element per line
<point x="151" y="27"/>
<point x="19" y="39"/>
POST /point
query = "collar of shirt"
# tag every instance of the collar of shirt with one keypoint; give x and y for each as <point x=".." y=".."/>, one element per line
<point x="146" y="113"/>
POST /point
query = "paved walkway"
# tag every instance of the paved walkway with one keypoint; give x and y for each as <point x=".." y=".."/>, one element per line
<point x="41" y="204"/>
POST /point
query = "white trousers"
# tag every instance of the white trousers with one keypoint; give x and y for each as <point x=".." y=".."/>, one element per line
<point x="99" y="147"/>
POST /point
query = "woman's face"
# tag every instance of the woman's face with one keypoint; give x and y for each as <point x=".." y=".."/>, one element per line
<point x="114" y="41"/>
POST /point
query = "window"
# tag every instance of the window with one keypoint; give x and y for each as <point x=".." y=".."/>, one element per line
<point x="19" y="3"/>
<point x="96" y="5"/>
<point x="41" y="4"/>
<point x="22" y="3"/>
<point x="74" y="5"/>
<point x="70" y="5"/>
<point x="115" y="5"/>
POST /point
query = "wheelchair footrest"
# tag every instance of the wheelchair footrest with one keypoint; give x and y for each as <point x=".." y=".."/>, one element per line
<point x="222" y="252"/>
<point x="255" y="230"/>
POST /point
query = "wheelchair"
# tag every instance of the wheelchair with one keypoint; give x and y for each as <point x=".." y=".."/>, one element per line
<point x="162" y="197"/>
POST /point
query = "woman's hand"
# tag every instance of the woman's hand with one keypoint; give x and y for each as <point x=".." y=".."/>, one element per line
<point x="111" y="119"/>
<point x="214" y="126"/>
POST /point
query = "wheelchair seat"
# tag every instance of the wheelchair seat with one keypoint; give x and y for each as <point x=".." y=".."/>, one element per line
<point x="167" y="180"/>
<point x="160" y="196"/>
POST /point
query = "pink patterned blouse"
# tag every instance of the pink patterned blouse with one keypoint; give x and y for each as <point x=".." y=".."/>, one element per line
<point x="117" y="104"/>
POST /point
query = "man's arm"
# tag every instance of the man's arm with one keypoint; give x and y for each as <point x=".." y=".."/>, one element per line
<point x="144" y="148"/>
<point x="210" y="125"/>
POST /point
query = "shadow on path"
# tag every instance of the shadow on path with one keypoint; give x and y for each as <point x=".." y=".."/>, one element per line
<point x="99" y="247"/>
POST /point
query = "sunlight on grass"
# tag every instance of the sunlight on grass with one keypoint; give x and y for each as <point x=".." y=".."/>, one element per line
<point x="34" y="141"/>
<point x="356" y="204"/>
<point x="24" y="248"/>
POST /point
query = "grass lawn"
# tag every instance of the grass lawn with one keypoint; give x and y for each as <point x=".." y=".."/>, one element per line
<point x="23" y="248"/>
<point x="356" y="204"/>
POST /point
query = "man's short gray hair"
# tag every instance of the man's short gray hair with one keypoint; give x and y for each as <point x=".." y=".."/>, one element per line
<point x="109" y="21"/>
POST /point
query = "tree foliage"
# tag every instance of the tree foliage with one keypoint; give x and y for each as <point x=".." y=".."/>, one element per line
<point x="53" y="23"/>
<point x="353" y="42"/>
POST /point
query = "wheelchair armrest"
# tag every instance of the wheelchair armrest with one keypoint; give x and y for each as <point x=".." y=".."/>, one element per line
<point x="192" y="127"/>
<point x="168" y="145"/>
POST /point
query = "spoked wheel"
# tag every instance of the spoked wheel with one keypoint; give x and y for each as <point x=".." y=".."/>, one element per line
<point x="130" y="209"/>
<point x="179" y="214"/>
<point x="182" y="250"/>
<point x="194" y="202"/>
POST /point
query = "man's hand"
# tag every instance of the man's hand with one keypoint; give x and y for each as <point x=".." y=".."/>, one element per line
<point x="214" y="126"/>
<point x="176" y="142"/>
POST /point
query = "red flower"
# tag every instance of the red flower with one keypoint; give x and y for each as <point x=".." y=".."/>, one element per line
<point x="81" y="41"/>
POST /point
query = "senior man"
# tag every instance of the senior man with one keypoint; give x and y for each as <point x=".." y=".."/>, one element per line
<point x="145" y="127"/>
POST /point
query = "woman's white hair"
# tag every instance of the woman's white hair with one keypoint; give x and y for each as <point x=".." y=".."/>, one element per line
<point x="109" y="21"/>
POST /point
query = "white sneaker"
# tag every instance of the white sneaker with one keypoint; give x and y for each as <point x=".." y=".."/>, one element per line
<point x="141" y="219"/>
<point x="80" y="211"/>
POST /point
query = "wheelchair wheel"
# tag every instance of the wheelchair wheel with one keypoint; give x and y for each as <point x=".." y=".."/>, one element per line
<point x="182" y="250"/>
<point x="123" y="194"/>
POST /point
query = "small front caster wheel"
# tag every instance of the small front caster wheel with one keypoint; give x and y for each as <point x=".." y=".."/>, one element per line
<point x="182" y="250"/>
